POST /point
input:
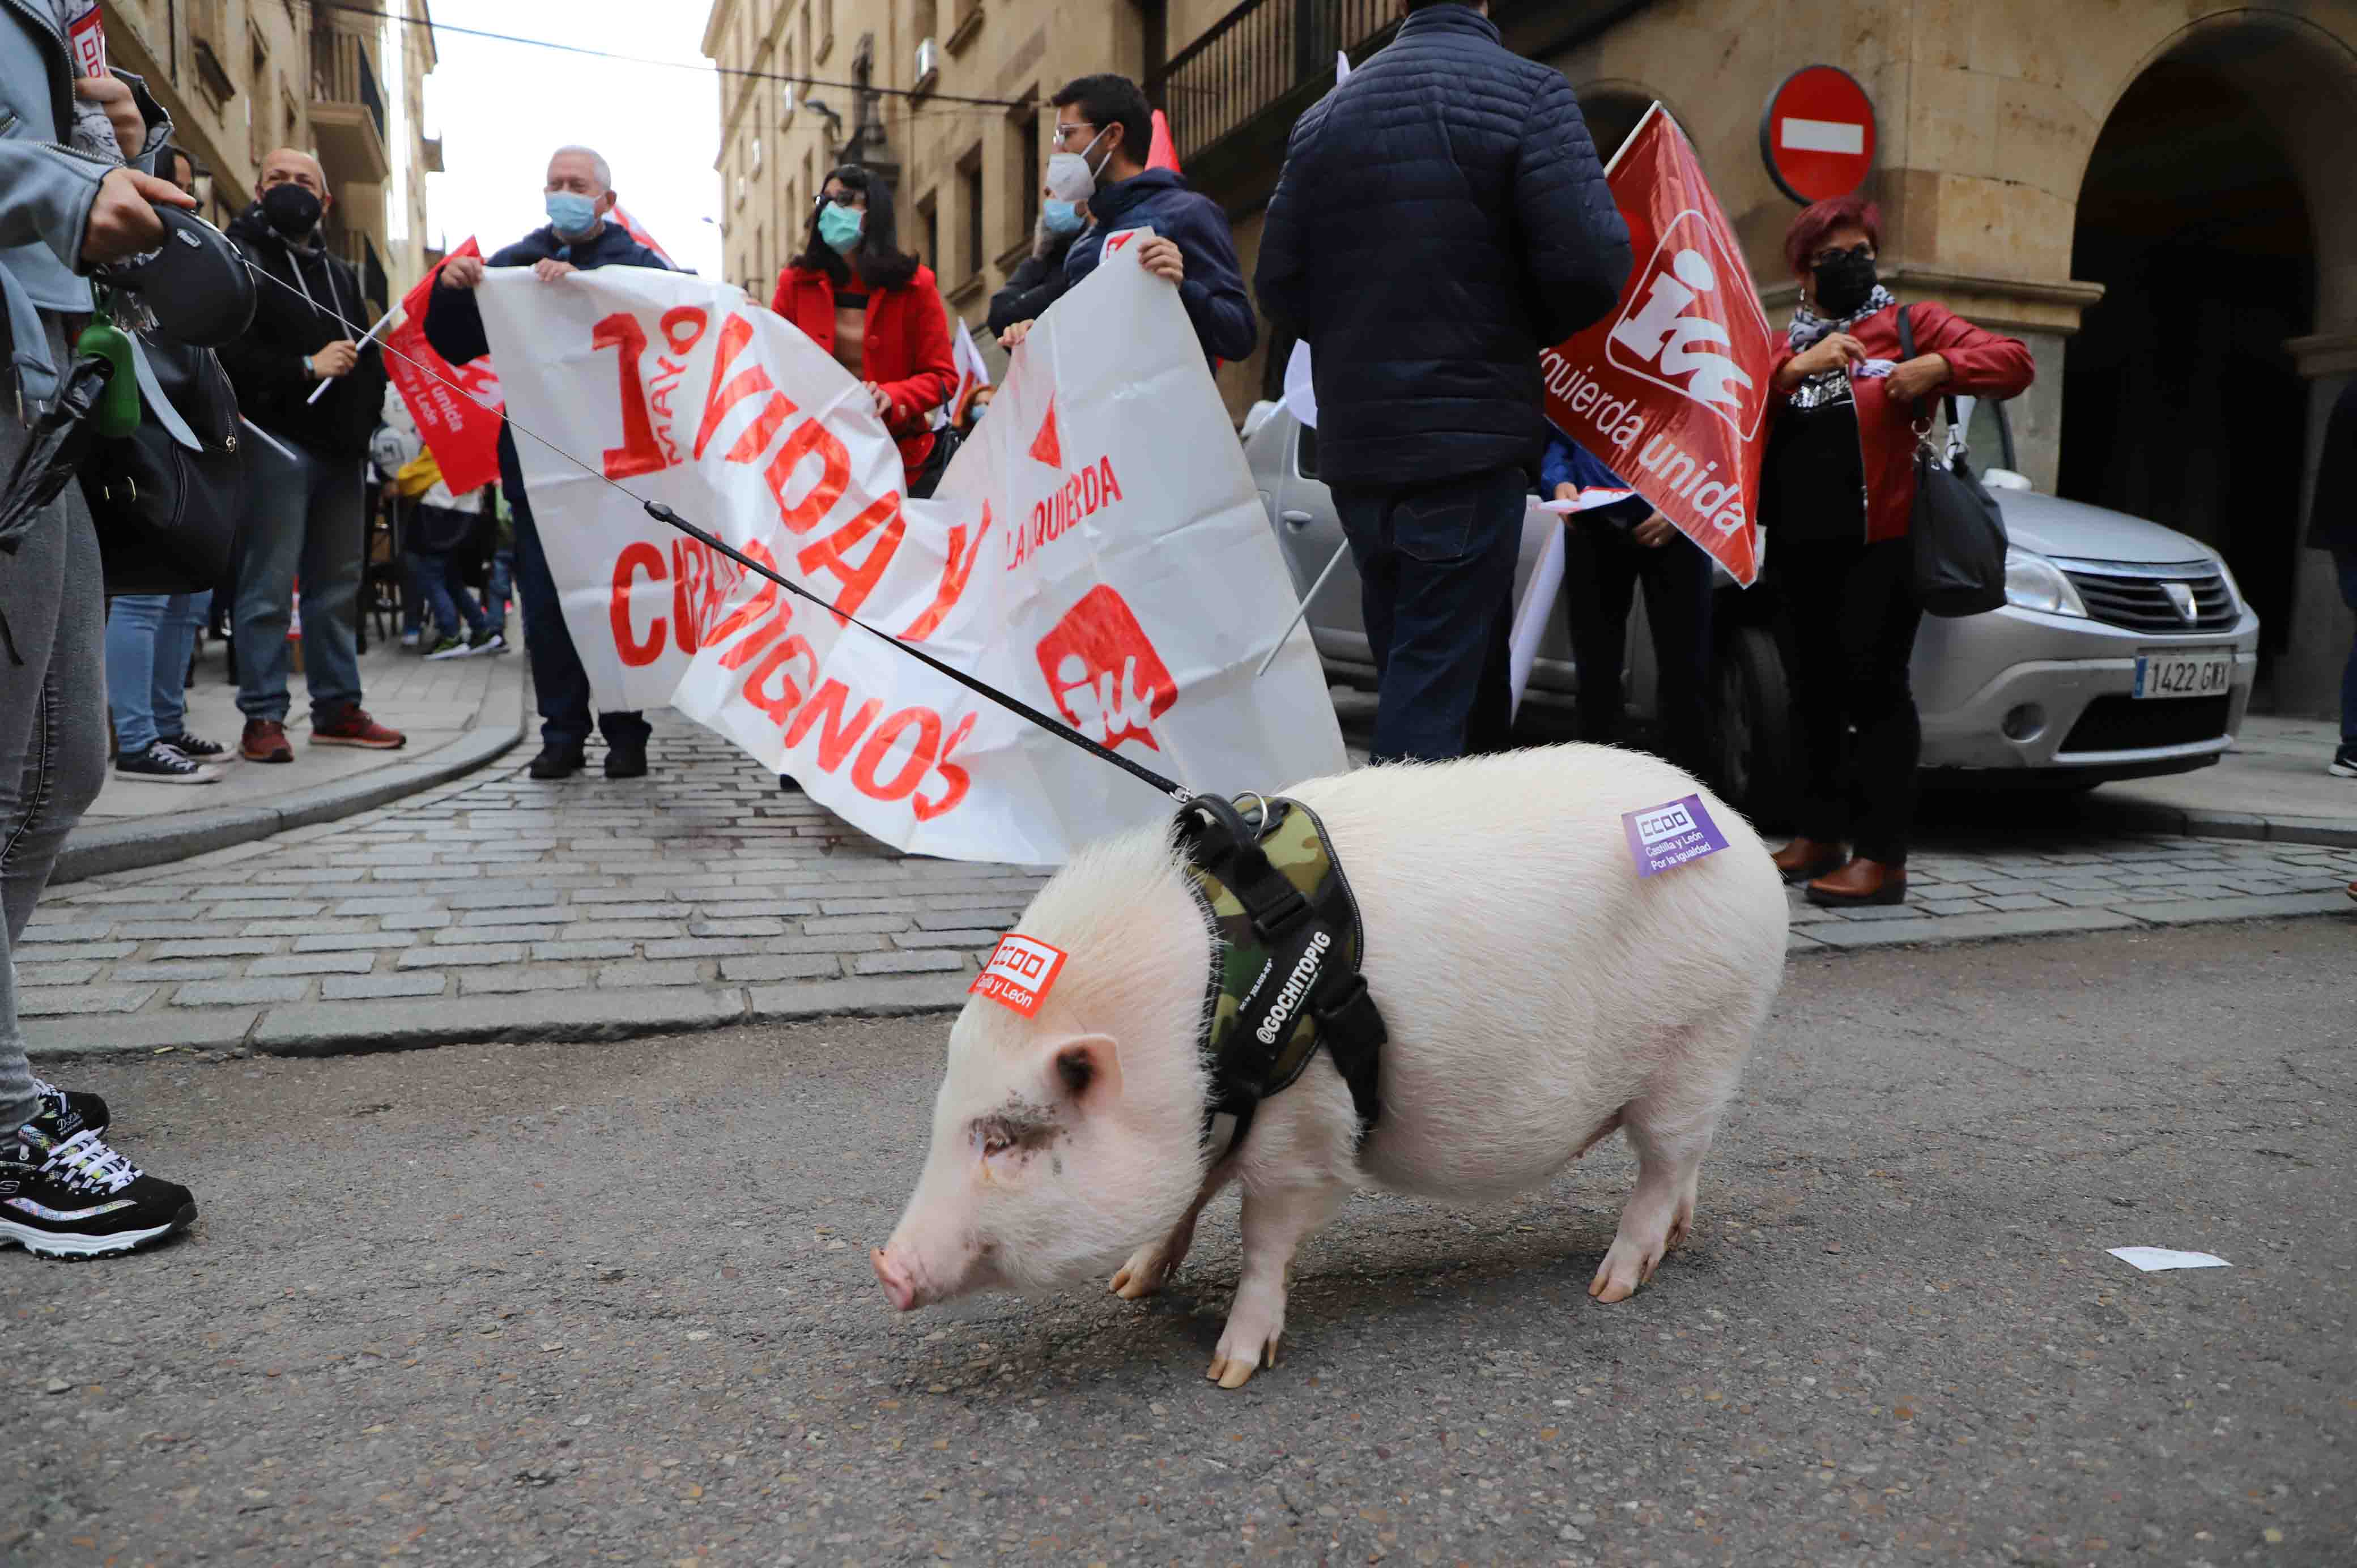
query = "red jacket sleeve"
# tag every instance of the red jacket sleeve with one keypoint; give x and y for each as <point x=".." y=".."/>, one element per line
<point x="781" y="298"/>
<point x="1987" y="364"/>
<point x="932" y="369"/>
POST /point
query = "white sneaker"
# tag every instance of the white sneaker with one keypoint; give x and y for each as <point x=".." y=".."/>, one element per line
<point x="409" y="640"/>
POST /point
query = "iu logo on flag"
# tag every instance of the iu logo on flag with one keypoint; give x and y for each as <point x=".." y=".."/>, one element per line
<point x="1104" y="671"/>
<point x="1676" y="330"/>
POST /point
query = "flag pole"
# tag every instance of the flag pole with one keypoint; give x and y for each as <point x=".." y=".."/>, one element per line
<point x="1339" y="550"/>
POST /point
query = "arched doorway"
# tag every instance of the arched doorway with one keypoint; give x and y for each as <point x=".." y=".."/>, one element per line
<point x="2209" y="213"/>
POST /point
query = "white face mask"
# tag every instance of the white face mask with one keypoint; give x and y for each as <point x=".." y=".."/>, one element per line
<point x="1069" y="178"/>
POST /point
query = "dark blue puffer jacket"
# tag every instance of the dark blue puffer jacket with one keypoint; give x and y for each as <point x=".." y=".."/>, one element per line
<point x="1441" y="218"/>
<point x="1213" y="289"/>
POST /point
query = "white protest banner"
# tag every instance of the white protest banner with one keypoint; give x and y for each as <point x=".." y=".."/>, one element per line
<point x="1097" y="551"/>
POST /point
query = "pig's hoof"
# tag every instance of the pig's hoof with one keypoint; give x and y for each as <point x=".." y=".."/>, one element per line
<point x="1236" y="1371"/>
<point x="1623" y="1270"/>
<point x="1142" y="1276"/>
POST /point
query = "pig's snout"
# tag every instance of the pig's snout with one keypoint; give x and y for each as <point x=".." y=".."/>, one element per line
<point x="896" y="1280"/>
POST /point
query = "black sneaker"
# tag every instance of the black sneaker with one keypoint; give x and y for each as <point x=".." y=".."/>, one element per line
<point x="557" y="762"/>
<point x="160" y="764"/>
<point x="488" y="640"/>
<point x="625" y="761"/>
<point x="75" y="1198"/>
<point x="2344" y="763"/>
<point x="194" y="749"/>
<point x="66" y="1111"/>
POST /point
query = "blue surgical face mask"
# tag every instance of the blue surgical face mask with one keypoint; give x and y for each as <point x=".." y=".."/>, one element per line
<point x="1060" y="217"/>
<point x="572" y="213"/>
<point x="839" y="227"/>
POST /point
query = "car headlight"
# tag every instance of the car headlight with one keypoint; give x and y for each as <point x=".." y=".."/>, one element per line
<point x="2034" y="583"/>
<point x="2234" y="588"/>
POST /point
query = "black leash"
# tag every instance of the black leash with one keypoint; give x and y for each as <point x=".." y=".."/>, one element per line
<point x="662" y="513"/>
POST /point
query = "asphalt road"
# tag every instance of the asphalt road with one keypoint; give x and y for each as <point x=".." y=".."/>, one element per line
<point x="590" y="1304"/>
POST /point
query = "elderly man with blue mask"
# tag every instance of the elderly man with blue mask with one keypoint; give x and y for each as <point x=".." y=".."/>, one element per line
<point x="580" y="236"/>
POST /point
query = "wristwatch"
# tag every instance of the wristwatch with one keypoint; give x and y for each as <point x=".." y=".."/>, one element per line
<point x="311" y="370"/>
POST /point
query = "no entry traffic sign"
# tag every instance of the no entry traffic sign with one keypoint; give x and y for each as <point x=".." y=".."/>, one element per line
<point x="1818" y="134"/>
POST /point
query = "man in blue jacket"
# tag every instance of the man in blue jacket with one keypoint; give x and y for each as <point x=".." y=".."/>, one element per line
<point x="1441" y="218"/>
<point x="577" y="238"/>
<point x="1103" y="122"/>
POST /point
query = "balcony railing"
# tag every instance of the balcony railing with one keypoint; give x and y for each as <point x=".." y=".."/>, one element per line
<point x="1255" y="58"/>
<point x="343" y="72"/>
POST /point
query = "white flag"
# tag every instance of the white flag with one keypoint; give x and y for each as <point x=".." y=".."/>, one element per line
<point x="1097" y="551"/>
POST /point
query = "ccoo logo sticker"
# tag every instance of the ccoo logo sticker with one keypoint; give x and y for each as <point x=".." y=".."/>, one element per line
<point x="1020" y="971"/>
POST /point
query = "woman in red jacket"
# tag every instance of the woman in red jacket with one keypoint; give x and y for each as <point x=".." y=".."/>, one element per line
<point x="1838" y="494"/>
<point x="875" y="307"/>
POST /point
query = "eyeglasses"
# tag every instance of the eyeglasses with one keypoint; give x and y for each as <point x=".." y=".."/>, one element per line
<point x="841" y="198"/>
<point x="1826" y="257"/>
<point x="1066" y="133"/>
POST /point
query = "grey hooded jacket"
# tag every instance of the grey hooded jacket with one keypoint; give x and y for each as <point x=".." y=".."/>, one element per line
<point x="45" y="189"/>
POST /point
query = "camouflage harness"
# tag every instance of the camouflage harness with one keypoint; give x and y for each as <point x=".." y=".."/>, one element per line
<point x="1286" y="948"/>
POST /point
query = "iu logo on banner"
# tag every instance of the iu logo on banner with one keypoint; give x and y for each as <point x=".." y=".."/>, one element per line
<point x="1670" y="388"/>
<point x="1101" y="666"/>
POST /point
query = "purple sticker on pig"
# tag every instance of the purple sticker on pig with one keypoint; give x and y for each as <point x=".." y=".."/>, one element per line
<point x="1663" y="837"/>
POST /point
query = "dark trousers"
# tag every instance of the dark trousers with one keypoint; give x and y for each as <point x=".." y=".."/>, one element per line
<point x="1602" y="566"/>
<point x="1436" y="573"/>
<point x="2344" y="560"/>
<point x="1854" y="617"/>
<point x="557" y="678"/>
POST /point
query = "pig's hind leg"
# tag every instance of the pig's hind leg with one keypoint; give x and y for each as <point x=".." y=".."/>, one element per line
<point x="1150" y="1267"/>
<point x="1670" y="1133"/>
<point x="1277" y="1221"/>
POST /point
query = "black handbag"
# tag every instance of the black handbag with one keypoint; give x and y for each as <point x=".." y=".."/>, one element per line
<point x="928" y="478"/>
<point x="167" y="515"/>
<point x="1959" y="533"/>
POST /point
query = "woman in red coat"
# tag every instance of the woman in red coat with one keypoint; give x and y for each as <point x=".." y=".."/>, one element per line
<point x="1838" y="494"/>
<point x="875" y="307"/>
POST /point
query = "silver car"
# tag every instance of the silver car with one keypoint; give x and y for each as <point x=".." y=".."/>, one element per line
<point x="2125" y="649"/>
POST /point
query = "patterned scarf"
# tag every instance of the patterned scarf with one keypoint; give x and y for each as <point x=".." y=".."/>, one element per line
<point x="1809" y="329"/>
<point x="93" y="133"/>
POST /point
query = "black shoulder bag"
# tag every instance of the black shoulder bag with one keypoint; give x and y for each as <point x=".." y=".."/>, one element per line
<point x="167" y="513"/>
<point x="1958" y="531"/>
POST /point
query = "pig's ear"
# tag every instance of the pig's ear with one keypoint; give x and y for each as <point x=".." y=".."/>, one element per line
<point x="1086" y="1069"/>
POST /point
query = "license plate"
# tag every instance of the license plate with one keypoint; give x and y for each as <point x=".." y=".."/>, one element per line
<point x="2204" y="672"/>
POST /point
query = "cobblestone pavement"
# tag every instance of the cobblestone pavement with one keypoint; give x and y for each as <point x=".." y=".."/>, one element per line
<point x="496" y="906"/>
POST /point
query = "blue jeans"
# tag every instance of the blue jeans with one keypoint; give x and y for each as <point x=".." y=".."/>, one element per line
<point x="557" y="678"/>
<point x="2345" y="560"/>
<point x="412" y="591"/>
<point x="499" y="588"/>
<point x="1436" y="573"/>
<point x="445" y="586"/>
<point x="303" y="519"/>
<point x="148" y="639"/>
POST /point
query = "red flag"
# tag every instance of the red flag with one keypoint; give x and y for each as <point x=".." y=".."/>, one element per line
<point x="630" y="226"/>
<point x="1671" y="390"/>
<point x="461" y="428"/>
<point x="1162" y="152"/>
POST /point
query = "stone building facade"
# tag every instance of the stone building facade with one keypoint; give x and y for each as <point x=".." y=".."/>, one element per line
<point x="2151" y="193"/>
<point x="242" y="78"/>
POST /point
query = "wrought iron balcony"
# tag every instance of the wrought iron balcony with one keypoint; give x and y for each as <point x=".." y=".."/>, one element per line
<point x="347" y="108"/>
<point x="1261" y="63"/>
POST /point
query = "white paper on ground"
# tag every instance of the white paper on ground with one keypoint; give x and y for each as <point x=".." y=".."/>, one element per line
<point x="1537" y="603"/>
<point x="2151" y="1260"/>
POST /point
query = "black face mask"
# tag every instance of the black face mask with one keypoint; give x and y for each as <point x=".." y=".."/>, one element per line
<point x="1845" y="281"/>
<point x="291" y="209"/>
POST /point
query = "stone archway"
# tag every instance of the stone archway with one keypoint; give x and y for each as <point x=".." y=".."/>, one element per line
<point x="2212" y="212"/>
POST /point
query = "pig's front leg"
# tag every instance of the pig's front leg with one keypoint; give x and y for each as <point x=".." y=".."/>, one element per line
<point x="1150" y="1267"/>
<point x="1275" y="1223"/>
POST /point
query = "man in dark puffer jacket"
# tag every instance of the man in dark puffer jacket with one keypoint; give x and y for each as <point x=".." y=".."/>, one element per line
<point x="1441" y="218"/>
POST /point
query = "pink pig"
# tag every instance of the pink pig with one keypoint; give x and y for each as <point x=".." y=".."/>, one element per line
<point x="1539" y="996"/>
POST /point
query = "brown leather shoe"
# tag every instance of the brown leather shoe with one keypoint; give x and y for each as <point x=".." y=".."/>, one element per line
<point x="264" y="741"/>
<point x="1861" y="881"/>
<point x="352" y="726"/>
<point x="1805" y="860"/>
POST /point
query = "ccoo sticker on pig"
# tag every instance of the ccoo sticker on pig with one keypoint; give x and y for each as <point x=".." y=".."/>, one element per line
<point x="1019" y="972"/>
<point x="1661" y="838"/>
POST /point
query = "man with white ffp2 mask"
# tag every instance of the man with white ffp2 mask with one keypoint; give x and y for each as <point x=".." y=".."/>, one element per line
<point x="579" y="237"/>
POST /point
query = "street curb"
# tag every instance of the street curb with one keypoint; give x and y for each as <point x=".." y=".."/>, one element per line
<point x="318" y="1029"/>
<point x="2144" y="816"/>
<point x="134" y="845"/>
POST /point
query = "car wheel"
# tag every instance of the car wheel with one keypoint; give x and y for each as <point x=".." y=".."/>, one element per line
<point x="1753" y="754"/>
